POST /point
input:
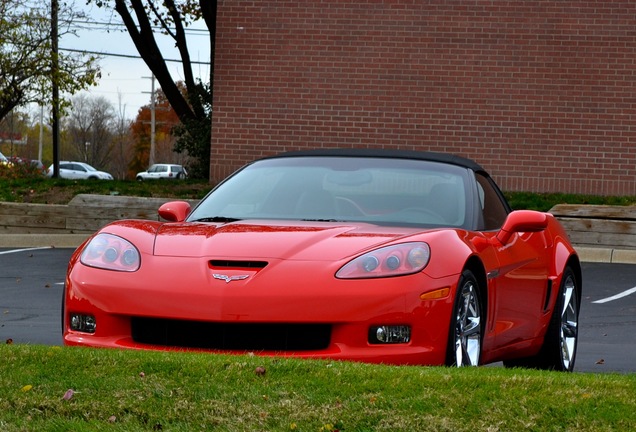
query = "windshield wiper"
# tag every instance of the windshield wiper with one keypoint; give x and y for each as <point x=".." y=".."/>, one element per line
<point x="321" y="220"/>
<point x="224" y="219"/>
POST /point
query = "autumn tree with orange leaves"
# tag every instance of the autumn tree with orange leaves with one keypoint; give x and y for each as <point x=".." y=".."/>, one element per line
<point x="165" y="121"/>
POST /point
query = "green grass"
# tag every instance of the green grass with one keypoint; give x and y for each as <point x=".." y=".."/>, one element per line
<point x="140" y="391"/>
<point x="545" y="201"/>
<point x="61" y="191"/>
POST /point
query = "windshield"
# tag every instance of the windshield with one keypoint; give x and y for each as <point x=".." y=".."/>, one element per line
<point x="372" y="190"/>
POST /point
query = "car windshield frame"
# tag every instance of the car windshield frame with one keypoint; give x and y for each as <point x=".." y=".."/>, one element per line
<point x="379" y="191"/>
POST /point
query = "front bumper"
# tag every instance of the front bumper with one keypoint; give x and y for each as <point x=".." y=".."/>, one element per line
<point x="176" y="304"/>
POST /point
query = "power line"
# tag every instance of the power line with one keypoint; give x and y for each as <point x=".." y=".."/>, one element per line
<point x="130" y="56"/>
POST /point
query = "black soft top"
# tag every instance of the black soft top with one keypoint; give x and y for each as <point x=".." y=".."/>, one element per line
<point x="383" y="153"/>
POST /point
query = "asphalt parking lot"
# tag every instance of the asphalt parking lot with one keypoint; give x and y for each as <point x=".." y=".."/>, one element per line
<point x="31" y="284"/>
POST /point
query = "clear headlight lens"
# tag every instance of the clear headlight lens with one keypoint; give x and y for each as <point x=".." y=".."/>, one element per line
<point x="396" y="260"/>
<point x="110" y="252"/>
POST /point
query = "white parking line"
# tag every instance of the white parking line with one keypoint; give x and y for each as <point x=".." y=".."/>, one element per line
<point x="617" y="296"/>
<point x="23" y="250"/>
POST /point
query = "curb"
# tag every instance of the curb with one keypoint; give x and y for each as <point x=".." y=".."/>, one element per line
<point x="606" y="255"/>
<point x="586" y="254"/>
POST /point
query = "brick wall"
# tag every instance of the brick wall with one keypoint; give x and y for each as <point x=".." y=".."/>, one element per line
<point x="541" y="93"/>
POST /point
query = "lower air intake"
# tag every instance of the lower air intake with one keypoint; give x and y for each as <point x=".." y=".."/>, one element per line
<point x="239" y="337"/>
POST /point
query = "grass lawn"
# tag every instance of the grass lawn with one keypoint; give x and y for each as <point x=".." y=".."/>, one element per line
<point x="80" y="389"/>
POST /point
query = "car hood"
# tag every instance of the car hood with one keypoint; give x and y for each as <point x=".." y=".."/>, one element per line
<point x="267" y="240"/>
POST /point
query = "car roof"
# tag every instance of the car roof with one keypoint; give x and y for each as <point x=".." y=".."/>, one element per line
<point x="384" y="153"/>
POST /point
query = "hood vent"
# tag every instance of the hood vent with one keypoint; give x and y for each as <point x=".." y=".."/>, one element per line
<point x="238" y="264"/>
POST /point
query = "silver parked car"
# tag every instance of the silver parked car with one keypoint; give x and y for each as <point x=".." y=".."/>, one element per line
<point x="79" y="171"/>
<point x="163" y="171"/>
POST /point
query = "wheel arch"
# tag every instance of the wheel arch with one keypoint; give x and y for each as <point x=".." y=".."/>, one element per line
<point x="475" y="265"/>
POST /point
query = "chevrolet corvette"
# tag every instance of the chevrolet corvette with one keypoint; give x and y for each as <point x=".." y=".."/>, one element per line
<point x="378" y="256"/>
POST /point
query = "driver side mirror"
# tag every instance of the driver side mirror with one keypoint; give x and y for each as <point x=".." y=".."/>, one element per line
<point x="175" y="211"/>
<point x="522" y="221"/>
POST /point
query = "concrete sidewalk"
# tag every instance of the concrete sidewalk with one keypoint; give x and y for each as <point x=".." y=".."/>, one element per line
<point x="587" y="254"/>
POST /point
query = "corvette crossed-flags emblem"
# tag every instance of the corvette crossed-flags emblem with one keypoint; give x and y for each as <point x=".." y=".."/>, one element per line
<point x="229" y="279"/>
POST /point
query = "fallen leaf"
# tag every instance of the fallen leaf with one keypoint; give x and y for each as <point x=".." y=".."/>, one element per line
<point x="142" y="375"/>
<point x="68" y="395"/>
<point x="600" y="362"/>
<point x="112" y="419"/>
<point x="26" y="388"/>
<point x="9" y="341"/>
<point x="260" y="370"/>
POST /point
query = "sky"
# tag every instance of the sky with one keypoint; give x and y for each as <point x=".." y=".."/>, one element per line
<point x="126" y="82"/>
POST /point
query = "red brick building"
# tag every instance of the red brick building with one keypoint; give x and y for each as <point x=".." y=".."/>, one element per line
<point x="542" y="93"/>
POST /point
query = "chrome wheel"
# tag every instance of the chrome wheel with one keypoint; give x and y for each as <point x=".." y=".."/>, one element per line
<point x="465" y="340"/>
<point x="569" y="321"/>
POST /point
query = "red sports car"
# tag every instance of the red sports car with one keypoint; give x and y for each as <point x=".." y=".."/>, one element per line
<point x="366" y="255"/>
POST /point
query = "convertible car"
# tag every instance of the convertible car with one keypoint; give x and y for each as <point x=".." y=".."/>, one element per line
<point x="393" y="257"/>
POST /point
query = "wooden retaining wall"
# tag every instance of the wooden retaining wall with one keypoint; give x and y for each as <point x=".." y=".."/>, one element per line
<point x="84" y="214"/>
<point x="597" y="225"/>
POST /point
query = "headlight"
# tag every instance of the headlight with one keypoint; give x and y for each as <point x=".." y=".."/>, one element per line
<point x="107" y="251"/>
<point x="396" y="260"/>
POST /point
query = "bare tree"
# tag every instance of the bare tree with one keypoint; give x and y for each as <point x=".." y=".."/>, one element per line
<point x="122" y="144"/>
<point x="89" y="129"/>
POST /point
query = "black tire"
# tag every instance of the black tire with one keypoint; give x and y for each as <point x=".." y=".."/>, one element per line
<point x="140" y="179"/>
<point x="466" y="327"/>
<point x="561" y="339"/>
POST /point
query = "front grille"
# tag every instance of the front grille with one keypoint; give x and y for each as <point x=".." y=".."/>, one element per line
<point x="240" y="337"/>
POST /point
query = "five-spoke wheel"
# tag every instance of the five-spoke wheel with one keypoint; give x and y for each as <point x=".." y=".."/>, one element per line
<point x="464" y="344"/>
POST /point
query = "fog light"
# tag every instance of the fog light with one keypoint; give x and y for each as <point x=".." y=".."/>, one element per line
<point x="390" y="334"/>
<point x="83" y="323"/>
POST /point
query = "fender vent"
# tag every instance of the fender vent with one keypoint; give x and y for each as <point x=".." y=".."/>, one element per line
<point x="548" y="294"/>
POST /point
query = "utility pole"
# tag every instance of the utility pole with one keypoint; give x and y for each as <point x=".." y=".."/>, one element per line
<point x="151" y="159"/>
<point x="55" y="67"/>
<point x="41" y="133"/>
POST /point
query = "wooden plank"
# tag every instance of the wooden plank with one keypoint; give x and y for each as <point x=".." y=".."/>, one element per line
<point x="112" y="213"/>
<point x="594" y="211"/>
<point x="42" y="220"/>
<point x="37" y="230"/>
<point x="599" y="225"/>
<point x="25" y="209"/>
<point x="596" y="239"/>
<point x="88" y="225"/>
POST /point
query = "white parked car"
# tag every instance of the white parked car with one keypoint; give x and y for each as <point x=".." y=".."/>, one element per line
<point x="3" y="159"/>
<point x="79" y="171"/>
<point x="163" y="171"/>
